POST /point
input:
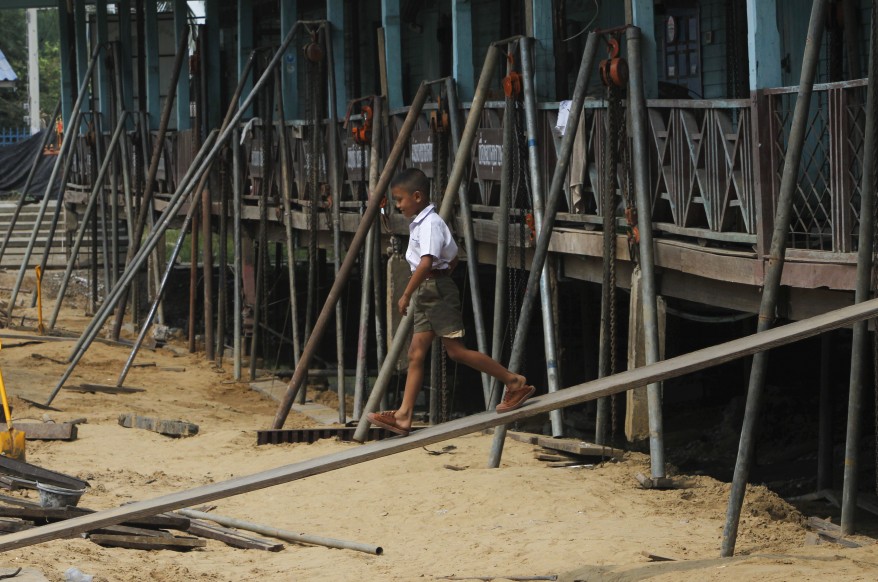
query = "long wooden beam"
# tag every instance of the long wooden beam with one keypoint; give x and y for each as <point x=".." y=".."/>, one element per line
<point x="577" y="394"/>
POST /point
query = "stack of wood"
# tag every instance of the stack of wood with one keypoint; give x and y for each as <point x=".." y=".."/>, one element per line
<point x="145" y="533"/>
<point x="564" y="452"/>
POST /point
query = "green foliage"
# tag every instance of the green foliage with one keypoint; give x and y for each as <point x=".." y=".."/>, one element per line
<point x="14" y="46"/>
<point x="13" y="23"/>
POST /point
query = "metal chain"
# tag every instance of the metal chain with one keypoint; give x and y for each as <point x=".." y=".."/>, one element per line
<point x="610" y="158"/>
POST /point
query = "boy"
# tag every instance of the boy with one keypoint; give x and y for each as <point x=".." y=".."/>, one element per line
<point x="432" y="255"/>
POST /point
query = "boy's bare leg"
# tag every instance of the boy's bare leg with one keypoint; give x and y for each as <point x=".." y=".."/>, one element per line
<point x="421" y="343"/>
<point x="458" y="352"/>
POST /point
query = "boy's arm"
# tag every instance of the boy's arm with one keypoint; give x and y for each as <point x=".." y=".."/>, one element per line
<point x="423" y="269"/>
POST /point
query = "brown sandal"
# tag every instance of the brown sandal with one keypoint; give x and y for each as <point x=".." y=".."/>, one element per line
<point x="386" y="420"/>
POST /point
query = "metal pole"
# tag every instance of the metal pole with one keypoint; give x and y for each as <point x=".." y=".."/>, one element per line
<point x="370" y="283"/>
<point x="363" y="330"/>
<point x="50" y="131"/>
<point x="222" y="299"/>
<point x="347" y="265"/>
<point x="67" y="157"/>
<point x="378" y="274"/>
<point x="89" y="209"/>
<point x="285" y="192"/>
<point x="159" y="294"/>
<point x="469" y="239"/>
<point x="458" y="169"/>
<point x="774" y="270"/>
<point x="541" y="250"/>
<point x="859" y="348"/>
<point x="106" y="309"/>
<point x="56" y="214"/>
<point x="824" y="430"/>
<point x="637" y="110"/>
<point x="536" y="186"/>
<point x="261" y="250"/>
<point x="236" y="234"/>
<point x="196" y="170"/>
<point x="335" y="176"/>
<point x="501" y="318"/>
<point x="146" y="200"/>
<point x="281" y="534"/>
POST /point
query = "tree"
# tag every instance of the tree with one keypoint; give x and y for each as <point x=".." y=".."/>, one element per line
<point x="13" y="23"/>
<point x="14" y="46"/>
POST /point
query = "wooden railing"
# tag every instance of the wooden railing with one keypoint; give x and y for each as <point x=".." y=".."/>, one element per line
<point x="714" y="166"/>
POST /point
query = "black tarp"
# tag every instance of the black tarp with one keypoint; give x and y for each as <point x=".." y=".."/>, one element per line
<point x="15" y="164"/>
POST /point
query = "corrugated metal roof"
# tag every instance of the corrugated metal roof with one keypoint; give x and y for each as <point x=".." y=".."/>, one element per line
<point x="6" y="72"/>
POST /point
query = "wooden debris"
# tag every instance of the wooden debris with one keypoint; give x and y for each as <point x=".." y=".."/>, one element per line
<point x="18" y="501"/>
<point x="104" y="389"/>
<point x="454" y="468"/>
<point x="48" y="431"/>
<point x="181" y="544"/>
<point x="39" y="405"/>
<point x="175" y="428"/>
<point x="655" y="482"/>
<point x="33" y="473"/>
<point x="47" y="358"/>
<point x="126" y="530"/>
<point x="574" y="446"/>
<point x="232" y="537"/>
<point x="830" y="532"/>
<point x="14" y="525"/>
<point x="45" y="515"/>
<point x="657" y="558"/>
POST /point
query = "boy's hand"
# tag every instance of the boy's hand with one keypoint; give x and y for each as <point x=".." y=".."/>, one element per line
<point x="403" y="304"/>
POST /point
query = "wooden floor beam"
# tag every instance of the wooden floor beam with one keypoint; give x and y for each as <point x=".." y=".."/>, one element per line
<point x="577" y="394"/>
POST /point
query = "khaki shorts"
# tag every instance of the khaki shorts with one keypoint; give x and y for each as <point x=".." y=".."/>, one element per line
<point x="437" y="307"/>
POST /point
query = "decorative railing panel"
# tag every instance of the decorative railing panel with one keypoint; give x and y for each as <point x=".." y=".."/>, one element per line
<point x="825" y="210"/>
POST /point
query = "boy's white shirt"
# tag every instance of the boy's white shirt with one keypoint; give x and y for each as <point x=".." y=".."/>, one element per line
<point x="429" y="235"/>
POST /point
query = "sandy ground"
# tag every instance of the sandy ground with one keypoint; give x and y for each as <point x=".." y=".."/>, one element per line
<point x="523" y="519"/>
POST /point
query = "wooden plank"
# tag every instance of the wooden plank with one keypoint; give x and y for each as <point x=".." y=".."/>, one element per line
<point x="177" y="522"/>
<point x="103" y="389"/>
<point x="31" y="472"/>
<point x="175" y="428"/>
<point x="660" y="371"/>
<point x="48" y="431"/>
<point x="13" y="525"/>
<point x="232" y="537"/>
<point x="147" y="542"/>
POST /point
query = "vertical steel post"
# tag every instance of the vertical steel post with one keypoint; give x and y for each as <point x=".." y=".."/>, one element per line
<point x="541" y="249"/>
<point x="458" y="169"/>
<point x="239" y="260"/>
<point x="536" y="186"/>
<point x="378" y="274"/>
<point x="336" y="186"/>
<point x="859" y="343"/>
<point x="285" y="192"/>
<point x="501" y="318"/>
<point x="469" y="239"/>
<point x="774" y="270"/>
<point x="640" y="158"/>
<point x="824" y="430"/>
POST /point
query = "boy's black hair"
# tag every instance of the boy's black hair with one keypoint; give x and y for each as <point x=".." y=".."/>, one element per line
<point x="412" y="180"/>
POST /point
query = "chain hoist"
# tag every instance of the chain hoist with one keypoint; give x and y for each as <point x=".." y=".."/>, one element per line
<point x="439" y="129"/>
<point x="614" y="75"/>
